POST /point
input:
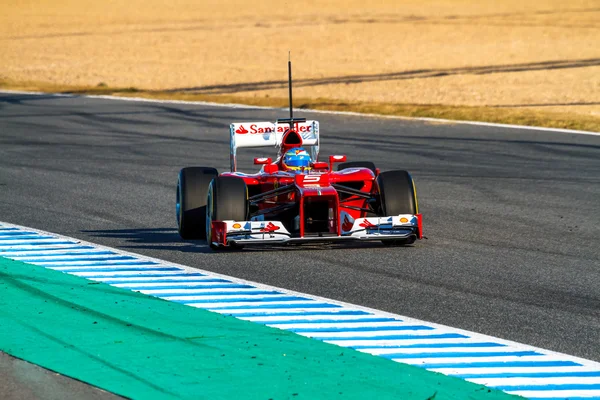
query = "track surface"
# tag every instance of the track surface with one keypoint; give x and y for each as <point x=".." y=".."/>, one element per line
<point x="512" y="216"/>
<point x="20" y="380"/>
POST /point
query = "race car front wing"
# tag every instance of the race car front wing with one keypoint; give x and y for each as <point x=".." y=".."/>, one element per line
<point x="398" y="227"/>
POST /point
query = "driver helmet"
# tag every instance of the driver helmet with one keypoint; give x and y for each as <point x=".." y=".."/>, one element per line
<point x="297" y="160"/>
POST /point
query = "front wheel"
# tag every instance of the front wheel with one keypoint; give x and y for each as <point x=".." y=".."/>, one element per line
<point x="190" y="205"/>
<point x="227" y="200"/>
<point x="397" y="195"/>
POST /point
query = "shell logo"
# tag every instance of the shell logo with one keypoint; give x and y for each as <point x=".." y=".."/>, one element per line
<point x="237" y="226"/>
<point x="403" y="220"/>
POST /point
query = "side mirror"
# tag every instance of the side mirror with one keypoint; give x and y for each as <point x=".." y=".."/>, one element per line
<point x="262" y="161"/>
<point x="320" y="165"/>
<point x="334" y="159"/>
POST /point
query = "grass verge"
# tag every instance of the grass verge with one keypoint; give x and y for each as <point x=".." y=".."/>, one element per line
<point x="522" y="116"/>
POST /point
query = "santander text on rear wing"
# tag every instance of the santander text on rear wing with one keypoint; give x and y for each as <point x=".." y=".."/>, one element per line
<point x="269" y="134"/>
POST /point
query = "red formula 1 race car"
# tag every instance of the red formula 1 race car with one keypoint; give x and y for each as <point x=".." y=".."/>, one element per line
<point x="295" y="199"/>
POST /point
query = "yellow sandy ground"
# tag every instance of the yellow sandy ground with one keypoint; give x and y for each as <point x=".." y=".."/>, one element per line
<point x="509" y="53"/>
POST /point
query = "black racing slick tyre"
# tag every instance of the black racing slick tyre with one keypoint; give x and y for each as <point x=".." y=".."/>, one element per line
<point x="397" y="196"/>
<point x="192" y="189"/>
<point x="356" y="164"/>
<point x="227" y="200"/>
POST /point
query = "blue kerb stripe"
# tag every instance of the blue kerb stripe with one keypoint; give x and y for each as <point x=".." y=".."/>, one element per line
<point x="569" y="398"/>
<point x="58" y="252"/>
<point x="76" y="258"/>
<point x="509" y="364"/>
<point x="193" y="280"/>
<point x="109" y="267"/>
<point x="566" y="386"/>
<point x="23" y="237"/>
<point x="199" y="293"/>
<point x="48" y="249"/>
<point x="396" y="337"/>
<point x="290" y="305"/>
<point x="149" y="274"/>
<point x="430" y="345"/>
<point x="461" y="354"/>
<point x="15" y="233"/>
<point x="297" y="314"/>
<point x="113" y="269"/>
<point x="262" y="299"/>
<point x="365" y="329"/>
<point x="552" y="374"/>
<point x="98" y="264"/>
<point x="35" y="244"/>
<point x="215" y="285"/>
<point x="323" y="321"/>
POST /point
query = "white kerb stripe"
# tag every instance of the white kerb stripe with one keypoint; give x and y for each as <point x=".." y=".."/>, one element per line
<point x="115" y="274"/>
<point x="503" y="370"/>
<point x="556" y="394"/>
<point x="207" y="299"/>
<point x="555" y="380"/>
<point x="339" y="325"/>
<point x="224" y="289"/>
<point x="368" y="334"/>
<point x="178" y="281"/>
<point x="403" y="342"/>
<point x="442" y="350"/>
<point x="467" y="360"/>
<point x="307" y="318"/>
<point x="287" y="310"/>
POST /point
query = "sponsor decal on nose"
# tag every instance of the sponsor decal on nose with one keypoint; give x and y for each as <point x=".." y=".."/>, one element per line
<point x="270" y="228"/>
<point x="366" y="224"/>
<point x="347" y="225"/>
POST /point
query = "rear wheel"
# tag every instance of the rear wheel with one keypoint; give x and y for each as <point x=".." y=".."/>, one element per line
<point x="190" y="209"/>
<point x="227" y="200"/>
<point x="356" y="164"/>
<point x="397" y="196"/>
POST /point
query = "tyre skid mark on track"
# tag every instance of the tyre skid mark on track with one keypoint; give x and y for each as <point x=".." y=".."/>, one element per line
<point x="513" y="367"/>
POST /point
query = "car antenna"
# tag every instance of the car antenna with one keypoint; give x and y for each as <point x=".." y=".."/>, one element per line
<point x="290" y="84"/>
<point x="291" y="120"/>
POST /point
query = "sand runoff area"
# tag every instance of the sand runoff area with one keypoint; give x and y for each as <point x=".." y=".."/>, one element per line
<point x="536" y="60"/>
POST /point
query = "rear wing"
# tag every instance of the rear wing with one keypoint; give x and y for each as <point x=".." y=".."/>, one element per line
<point x="269" y="134"/>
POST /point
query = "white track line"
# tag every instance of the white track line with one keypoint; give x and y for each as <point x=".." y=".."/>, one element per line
<point x="349" y="113"/>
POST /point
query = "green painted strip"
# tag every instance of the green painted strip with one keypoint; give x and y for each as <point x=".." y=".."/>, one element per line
<point x="143" y="347"/>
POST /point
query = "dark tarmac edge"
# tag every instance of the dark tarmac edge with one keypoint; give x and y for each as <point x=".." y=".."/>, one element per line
<point x="21" y="380"/>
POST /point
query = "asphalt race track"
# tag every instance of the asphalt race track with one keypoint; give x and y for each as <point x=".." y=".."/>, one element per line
<point x="512" y="216"/>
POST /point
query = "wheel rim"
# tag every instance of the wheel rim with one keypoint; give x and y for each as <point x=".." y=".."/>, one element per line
<point x="209" y="213"/>
<point x="178" y="205"/>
